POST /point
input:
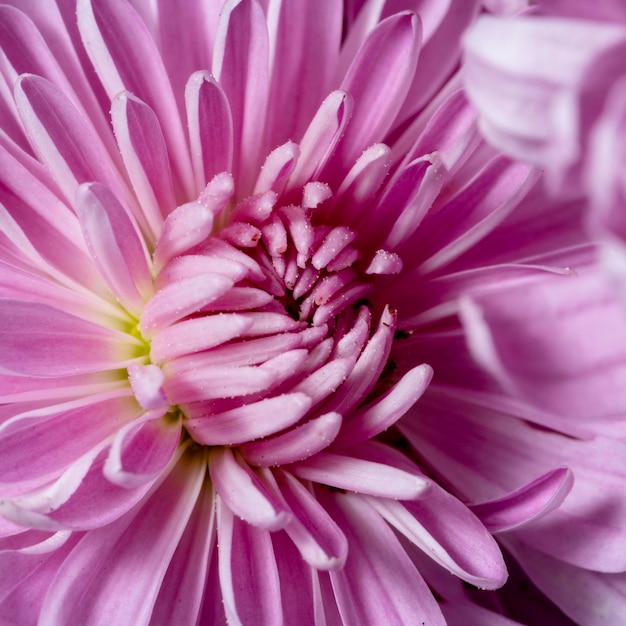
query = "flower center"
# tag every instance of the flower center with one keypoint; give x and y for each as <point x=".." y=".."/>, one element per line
<point x="256" y="330"/>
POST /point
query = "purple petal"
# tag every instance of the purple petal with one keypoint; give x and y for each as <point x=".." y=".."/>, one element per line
<point x="39" y="340"/>
<point x="246" y="554"/>
<point x="250" y="421"/>
<point x="118" y="42"/>
<point x="142" y="450"/>
<point x="114" y="244"/>
<point x="210" y="127"/>
<point x="379" y="584"/>
<point x="112" y="561"/>
<point x="240" y="65"/>
<point x="143" y="149"/>
<point x="57" y="435"/>
<point x="527" y="503"/>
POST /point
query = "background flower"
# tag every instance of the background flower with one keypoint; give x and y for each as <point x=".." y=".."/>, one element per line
<point x="548" y="87"/>
<point x="233" y="257"/>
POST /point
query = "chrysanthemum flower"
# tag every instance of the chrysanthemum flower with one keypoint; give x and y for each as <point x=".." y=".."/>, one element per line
<point x="237" y="241"/>
<point x="550" y="90"/>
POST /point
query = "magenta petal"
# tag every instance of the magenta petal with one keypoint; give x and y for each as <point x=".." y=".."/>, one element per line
<point x="185" y="227"/>
<point x="295" y="444"/>
<point x="379" y="80"/>
<point x="250" y="421"/>
<point x="240" y="64"/>
<point x="598" y="599"/>
<point x="39" y="340"/>
<point x="63" y="139"/>
<point x="377" y="567"/>
<point x="183" y="587"/>
<point x="210" y="127"/>
<point x="353" y="474"/>
<point x="244" y="493"/>
<point x="449" y="533"/>
<point x="118" y="42"/>
<point x="246" y="554"/>
<point x="143" y="149"/>
<point x="69" y="501"/>
<point x="112" y="561"/>
<point x="527" y="503"/>
<point x="114" y="244"/>
<point x="312" y="529"/>
<point x="374" y="418"/>
<point x="560" y="343"/>
<point x="57" y="435"/>
<point x="142" y="450"/>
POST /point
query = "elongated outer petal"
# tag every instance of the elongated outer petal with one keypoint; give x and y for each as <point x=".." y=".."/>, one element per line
<point x="183" y="587"/>
<point x="321" y="136"/>
<point x="57" y="435"/>
<point x="361" y="476"/>
<point x="567" y="353"/>
<point x="39" y="340"/>
<point x="240" y="64"/>
<point x="69" y="501"/>
<point x="448" y="532"/>
<point x="378" y="584"/>
<point x="527" y="503"/>
<point x="113" y="561"/>
<point x="599" y="598"/>
<point x="142" y="450"/>
<point x="312" y="529"/>
<point x="378" y="81"/>
<point x="246" y="554"/>
<point x="485" y="454"/>
<point x="114" y="244"/>
<point x="304" y="40"/>
<point x="244" y="493"/>
<point x="141" y="143"/>
<point x="210" y="127"/>
<point x="118" y="42"/>
<point x="62" y="138"/>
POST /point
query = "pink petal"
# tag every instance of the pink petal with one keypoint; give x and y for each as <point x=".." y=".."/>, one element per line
<point x="39" y="340"/>
<point x="246" y="554"/>
<point x="312" y="529"/>
<point x="140" y="140"/>
<point x="114" y="244"/>
<point x="210" y="127"/>
<point x="294" y="445"/>
<point x="240" y="65"/>
<point x="321" y="137"/>
<point x="598" y="599"/>
<point x="354" y="474"/>
<point x="112" y="561"/>
<point x="527" y="503"/>
<point x="379" y="584"/>
<point x="250" y="421"/>
<point x="183" y="588"/>
<point x="566" y="353"/>
<point x="377" y="416"/>
<point x="63" y="140"/>
<point x="378" y="80"/>
<point x="117" y="42"/>
<point x="449" y="533"/>
<point x="57" y="435"/>
<point x="142" y="450"/>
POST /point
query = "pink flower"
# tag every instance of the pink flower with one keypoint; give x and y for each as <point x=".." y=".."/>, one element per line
<point x="237" y="246"/>
<point x="550" y="90"/>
